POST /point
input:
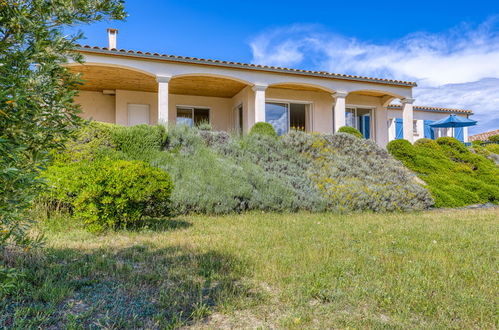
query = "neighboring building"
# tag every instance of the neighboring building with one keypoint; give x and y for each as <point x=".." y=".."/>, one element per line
<point x="132" y="87"/>
<point x="483" y="136"/>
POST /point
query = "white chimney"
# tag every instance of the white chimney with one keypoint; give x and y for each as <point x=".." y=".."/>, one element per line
<point x="112" y="34"/>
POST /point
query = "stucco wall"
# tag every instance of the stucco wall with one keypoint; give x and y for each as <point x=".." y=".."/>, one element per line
<point x="97" y="106"/>
<point x="123" y="98"/>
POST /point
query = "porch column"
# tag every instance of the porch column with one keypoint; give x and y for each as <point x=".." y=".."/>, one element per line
<point x="259" y="102"/>
<point x="339" y="110"/>
<point x="407" y="119"/>
<point x="163" y="99"/>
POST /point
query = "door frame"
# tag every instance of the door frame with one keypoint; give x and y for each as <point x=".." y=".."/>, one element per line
<point x="372" y="124"/>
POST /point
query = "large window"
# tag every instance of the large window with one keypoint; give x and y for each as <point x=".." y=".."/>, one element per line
<point x="192" y="116"/>
<point x="285" y="116"/>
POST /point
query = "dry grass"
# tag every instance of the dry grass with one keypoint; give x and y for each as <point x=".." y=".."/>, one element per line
<point x="413" y="270"/>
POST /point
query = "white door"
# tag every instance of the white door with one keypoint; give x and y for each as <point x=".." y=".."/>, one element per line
<point x="138" y="114"/>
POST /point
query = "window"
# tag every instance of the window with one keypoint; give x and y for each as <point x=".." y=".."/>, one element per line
<point x="138" y="114"/>
<point x="415" y="127"/>
<point x="192" y="116"/>
<point x="361" y="119"/>
<point x="285" y="116"/>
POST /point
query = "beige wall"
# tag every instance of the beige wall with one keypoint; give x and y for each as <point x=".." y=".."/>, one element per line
<point x="123" y="98"/>
<point x="97" y="106"/>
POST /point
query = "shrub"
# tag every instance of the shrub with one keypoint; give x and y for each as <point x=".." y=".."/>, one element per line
<point x="494" y="148"/>
<point x="214" y="173"/>
<point x="140" y="142"/>
<point x="455" y="175"/>
<point x="453" y="143"/>
<point x="356" y="174"/>
<point x="402" y="150"/>
<point x="351" y="130"/>
<point x="427" y="143"/>
<point x="477" y="143"/>
<point x="494" y="138"/>
<point x="263" y="129"/>
<point x="108" y="194"/>
<point x="88" y="142"/>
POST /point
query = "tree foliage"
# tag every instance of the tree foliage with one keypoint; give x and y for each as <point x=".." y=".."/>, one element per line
<point x="37" y="112"/>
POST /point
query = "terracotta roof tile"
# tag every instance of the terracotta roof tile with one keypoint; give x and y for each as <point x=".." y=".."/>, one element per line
<point x="483" y="136"/>
<point x="432" y="109"/>
<point x="104" y="50"/>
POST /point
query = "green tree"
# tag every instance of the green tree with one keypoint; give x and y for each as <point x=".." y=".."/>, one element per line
<point x="37" y="112"/>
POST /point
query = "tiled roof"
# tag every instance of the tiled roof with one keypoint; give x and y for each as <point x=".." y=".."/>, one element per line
<point x="194" y="60"/>
<point x="432" y="109"/>
<point x="483" y="136"/>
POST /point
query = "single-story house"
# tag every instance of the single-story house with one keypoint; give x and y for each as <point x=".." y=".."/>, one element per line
<point x="134" y="87"/>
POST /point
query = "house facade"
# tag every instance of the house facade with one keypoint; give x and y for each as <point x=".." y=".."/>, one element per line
<point x="133" y="87"/>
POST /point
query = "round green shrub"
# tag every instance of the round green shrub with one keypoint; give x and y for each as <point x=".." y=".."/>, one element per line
<point x="263" y="129"/>
<point x="426" y="143"/>
<point x="139" y="142"/>
<point x="351" y="130"/>
<point x="452" y="143"/>
<point x="109" y="194"/>
<point x="401" y="149"/>
<point x="494" y="138"/>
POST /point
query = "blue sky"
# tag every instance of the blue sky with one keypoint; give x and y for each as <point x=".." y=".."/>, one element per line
<point x="451" y="48"/>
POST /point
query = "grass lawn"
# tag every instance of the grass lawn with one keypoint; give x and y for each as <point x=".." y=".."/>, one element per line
<point x="416" y="270"/>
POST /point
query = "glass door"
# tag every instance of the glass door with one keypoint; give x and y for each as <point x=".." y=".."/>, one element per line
<point x="276" y="114"/>
<point x="238" y="119"/>
<point x="364" y="122"/>
<point x="361" y="119"/>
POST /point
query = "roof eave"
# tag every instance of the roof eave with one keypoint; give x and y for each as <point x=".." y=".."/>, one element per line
<point x="242" y="66"/>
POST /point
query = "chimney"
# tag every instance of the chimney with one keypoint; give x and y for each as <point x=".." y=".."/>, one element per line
<point x="111" y="38"/>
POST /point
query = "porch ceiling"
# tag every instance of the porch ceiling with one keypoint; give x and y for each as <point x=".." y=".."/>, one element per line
<point x="205" y="86"/>
<point x="98" y="78"/>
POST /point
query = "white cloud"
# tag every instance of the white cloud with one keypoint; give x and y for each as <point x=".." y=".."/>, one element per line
<point x="453" y="69"/>
<point x="481" y="96"/>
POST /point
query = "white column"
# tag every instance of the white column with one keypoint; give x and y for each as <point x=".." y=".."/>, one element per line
<point x="339" y="110"/>
<point x="259" y="102"/>
<point x="407" y="118"/>
<point x="163" y="99"/>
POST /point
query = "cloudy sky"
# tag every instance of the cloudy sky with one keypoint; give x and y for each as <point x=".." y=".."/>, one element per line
<point x="450" y="48"/>
<point x="455" y="68"/>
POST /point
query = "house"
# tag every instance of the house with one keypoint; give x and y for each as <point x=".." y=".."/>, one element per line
<point x="134" y="87"/>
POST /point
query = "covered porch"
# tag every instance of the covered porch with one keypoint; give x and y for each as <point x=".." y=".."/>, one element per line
<point x="129" y="96"/>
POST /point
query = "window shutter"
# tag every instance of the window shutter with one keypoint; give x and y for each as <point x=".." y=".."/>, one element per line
<point x="459" y="133"/>
<point x="399" y="128"/>
<point x="429" y="133"/>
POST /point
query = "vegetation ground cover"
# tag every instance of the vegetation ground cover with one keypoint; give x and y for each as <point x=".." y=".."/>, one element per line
<point x="454" y="174"/>
<point x="218" y="173"/>
<point x="398" y="270"/>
